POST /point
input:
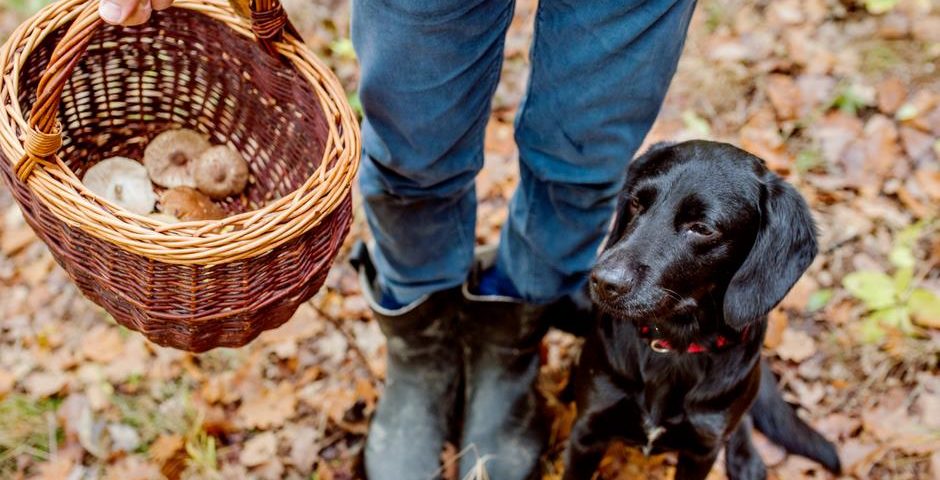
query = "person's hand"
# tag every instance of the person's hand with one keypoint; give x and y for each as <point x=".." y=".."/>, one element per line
<point x="130" y="12"/>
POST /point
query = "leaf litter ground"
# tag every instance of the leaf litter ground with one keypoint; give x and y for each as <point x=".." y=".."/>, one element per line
<point x="841" y="97"/>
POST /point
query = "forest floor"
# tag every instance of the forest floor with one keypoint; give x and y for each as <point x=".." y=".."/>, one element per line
<point x="842" y="97"/>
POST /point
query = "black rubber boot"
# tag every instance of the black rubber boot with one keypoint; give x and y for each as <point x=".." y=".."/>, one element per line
<point x="504" y="431"/>
<point x="415" y="412"/>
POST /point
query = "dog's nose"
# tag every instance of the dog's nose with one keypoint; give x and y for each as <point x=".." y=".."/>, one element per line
<point x="611" y="283"/>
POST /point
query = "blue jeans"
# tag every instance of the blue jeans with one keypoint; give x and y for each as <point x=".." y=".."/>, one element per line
<point x="600" y="70"/>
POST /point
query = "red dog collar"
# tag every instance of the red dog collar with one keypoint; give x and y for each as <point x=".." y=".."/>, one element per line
<point x="661" y="345"/>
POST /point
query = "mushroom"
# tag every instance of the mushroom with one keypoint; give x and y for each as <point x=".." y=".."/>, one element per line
<point x="122" y="181"/>
<point x="170" y="157"/>
<point x="189" y="204"/>
<point x="221" y="171"/>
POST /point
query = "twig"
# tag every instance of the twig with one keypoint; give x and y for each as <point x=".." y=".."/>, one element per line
<point x="350" y="339"/>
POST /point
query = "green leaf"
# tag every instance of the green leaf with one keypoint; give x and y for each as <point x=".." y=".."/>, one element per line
<point x="907" y="112"/>
<point x="871" y="331"/>
<point x="902" y="280"/>
<point x="875" y="289"/>
<point x="809" y="160"/>
<point x="343" y="48"/>
<point x="356" y="103"/>
<point x="849" y="100"/>
<point x="818" y="300"/>
<point x="925" y="307"/>
<point x="902" y="256"/>
<point x="696" y="124"/>
<point x="877" y="7"/>
<point x="894" y="317"/>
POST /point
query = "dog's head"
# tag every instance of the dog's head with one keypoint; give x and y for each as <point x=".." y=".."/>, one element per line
<point x="703" y="226"/>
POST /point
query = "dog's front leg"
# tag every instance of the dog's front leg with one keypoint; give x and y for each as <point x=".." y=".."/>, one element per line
<point x="695" y="467"/>
<point x="742" y="461"/>
<point x="585" y="449"/>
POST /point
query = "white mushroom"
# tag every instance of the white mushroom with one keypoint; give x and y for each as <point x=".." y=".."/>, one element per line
<point x="221" y="171"/>
<point x="189" y="204"/>
<point x="124" y="182"/>
<point x="170" y="157"/>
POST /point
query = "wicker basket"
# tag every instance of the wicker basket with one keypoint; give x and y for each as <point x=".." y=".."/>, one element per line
<point x="95" y="91"/>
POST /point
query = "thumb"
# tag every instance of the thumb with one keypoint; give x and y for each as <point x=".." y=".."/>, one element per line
<point x="116" y="12"/>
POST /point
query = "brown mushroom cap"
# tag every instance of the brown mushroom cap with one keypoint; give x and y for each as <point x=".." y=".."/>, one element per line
<point x="221" y="171"/>
<point x="188" y="204"/>
<point x="122" y="181"/>
<point x="170" y="157"/>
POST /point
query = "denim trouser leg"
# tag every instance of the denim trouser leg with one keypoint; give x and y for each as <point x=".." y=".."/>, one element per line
<point x="429" y="70"/>
<point x="600" y="70"/>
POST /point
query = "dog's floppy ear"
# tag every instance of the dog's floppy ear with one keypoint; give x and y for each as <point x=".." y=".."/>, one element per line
<point x="638" y="167"/>
<point x="784" y="248"/>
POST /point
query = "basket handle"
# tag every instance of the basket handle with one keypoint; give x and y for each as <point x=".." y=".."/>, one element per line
<point x="44" y="135"/>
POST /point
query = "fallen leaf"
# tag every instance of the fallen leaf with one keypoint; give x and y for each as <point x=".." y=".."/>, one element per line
<point x="929" y="180"/>
<point x="16" y="240"/>
<point x="258" y="449"/>
<point x="796" y="346"/>
<point x="891" y="95"/>
<point x="169" y="452"/>
<point x="7" y="380"/>
<point x="102" y="344"/>
<point x="55" y="469"/>
<point x="124" y="438"/>
<point x="269" y="409"/>
<point x="776" y="326"/>
<point x="925" y="308"/>
<point x="916" y="143"/>
<point x="784" y="95"/>
<point x="304" y="448"/>
<point x="273" y="469"/>
<point x="45" y="384"/>
<point x="133" y="468"/>
<point x="858" y="456"/>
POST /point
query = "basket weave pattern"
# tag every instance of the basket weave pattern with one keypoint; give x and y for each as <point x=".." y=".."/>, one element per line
<point x="110" y="90"/>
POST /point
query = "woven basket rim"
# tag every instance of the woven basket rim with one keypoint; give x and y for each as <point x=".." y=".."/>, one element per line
<point x="238" y="237"/>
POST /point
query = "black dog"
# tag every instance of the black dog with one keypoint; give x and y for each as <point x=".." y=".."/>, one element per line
<point x="706" y="242"/>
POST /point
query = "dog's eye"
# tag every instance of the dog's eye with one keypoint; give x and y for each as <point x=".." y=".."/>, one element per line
<point x="635" y="205"/>
<point x="701" y="229"/>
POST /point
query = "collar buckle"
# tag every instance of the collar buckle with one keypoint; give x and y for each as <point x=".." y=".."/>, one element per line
<point x="660" y="346"/>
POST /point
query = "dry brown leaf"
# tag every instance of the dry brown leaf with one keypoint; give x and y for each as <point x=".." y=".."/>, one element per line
<point x="927" y="28"/>
<point x="269" y="409"/>
<point x="55" y="469"/>
<point x="798" y="297"/>
<point x="784" y="95"/>
<point x="796" y="346"/>
<point x="929" y="181"/>
<point x="7" y="380"/>
<point x="891" y="95"/>
<point x="169" y="452"/>
<point x="916" y="143"/>
<point x="776" y="324"/>
<point x="935" y="464"/>
<point x="835" y="132"/>
<point x="881" y="144"/>
<point x="45" y="384"/>
<point x="270" y="470"/>
<point x="103" y="344"/>
<point x="858" y="456"/>
<point x="258" y="449"/>
<point x="133" y="468"/>
<point x="304" y="448"/>
<point x="15" y="240"/>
